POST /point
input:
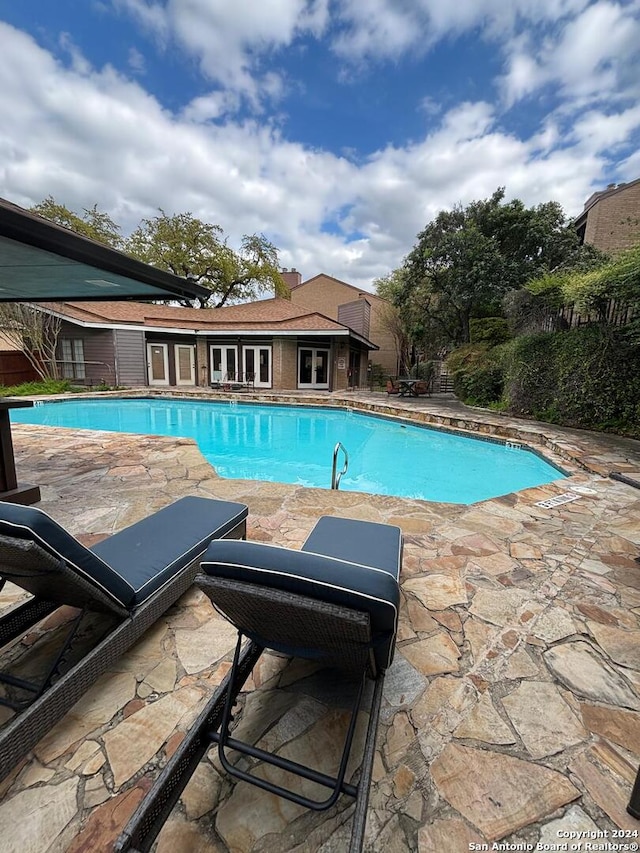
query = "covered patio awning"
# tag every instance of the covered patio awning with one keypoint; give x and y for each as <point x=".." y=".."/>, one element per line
<point x="43" y="262"/>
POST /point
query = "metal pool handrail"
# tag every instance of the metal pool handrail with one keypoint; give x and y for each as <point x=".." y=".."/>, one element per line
<point x="335" y="478"/>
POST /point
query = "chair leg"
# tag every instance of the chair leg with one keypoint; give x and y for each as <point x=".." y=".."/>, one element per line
<point x="634" y="803"/>
<point x="33" y="688"/>
<point x="336" y="784"/>
<point x="366" y="770"/>
<point x="19" y="619"/>
<point x="148" y="819"/>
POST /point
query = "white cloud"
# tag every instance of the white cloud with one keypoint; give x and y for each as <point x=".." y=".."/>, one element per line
<point x="228" y="39"/>
<point x="596" y="131"/>
<point x="136" y="61"/>
<point x="375" y="29"/>
<point x="591" y="57"/>
<point x="91" y="136"/>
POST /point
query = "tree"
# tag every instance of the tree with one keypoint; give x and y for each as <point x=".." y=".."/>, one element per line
<point x="35" y="332"/>
<point x="390" y="287"/>
<point x="468" y="258"/>
<point x="195" y="250"/>
<point x="93" y="223"/>
<point x="185" y="246"/>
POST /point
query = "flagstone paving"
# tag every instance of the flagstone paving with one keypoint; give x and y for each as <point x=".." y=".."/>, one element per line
<point x="511" y="712"/>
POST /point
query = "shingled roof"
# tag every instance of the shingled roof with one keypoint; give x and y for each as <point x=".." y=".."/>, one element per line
<point x="268" y="315"/>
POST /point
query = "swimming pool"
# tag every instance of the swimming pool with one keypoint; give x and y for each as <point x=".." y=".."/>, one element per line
<point x="294" y="444"/>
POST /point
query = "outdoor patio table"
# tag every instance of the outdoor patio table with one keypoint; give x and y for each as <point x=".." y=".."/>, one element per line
<point x="10" y="489"/>
<point x="407" y="387"/>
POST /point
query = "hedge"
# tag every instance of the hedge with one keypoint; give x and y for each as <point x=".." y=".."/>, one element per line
<point x="587" y="377"/>
<point x="477" y="373"/>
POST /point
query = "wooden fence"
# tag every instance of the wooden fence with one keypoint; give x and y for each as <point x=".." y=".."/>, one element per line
<point x="612" y="313"/>
<point x="15" y="368"/>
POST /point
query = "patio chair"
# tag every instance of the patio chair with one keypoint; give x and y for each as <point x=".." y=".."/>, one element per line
<point x="334" y="602"/>
<point x="423" y="387"/>
<point x="131" y="577"/>
<point x="392" y="386"/>
<point x="235" y="381"/>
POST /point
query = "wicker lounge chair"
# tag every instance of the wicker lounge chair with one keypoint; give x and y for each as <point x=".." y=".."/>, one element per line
<point x="634" y="803"/>
<point x="336" y="602"/>
<point x="132" y="577"/>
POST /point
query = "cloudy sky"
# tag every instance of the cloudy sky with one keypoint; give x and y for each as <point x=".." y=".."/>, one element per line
<point x="338" y="128"/>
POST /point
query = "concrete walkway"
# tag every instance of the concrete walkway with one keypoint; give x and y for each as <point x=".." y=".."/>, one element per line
<point x="511" y="712"/>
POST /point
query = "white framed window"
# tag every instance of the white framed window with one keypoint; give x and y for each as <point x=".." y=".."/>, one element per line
<point x="73" y="366"/>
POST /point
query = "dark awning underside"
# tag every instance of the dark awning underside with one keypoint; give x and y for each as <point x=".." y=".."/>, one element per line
<point x="43" y="262"/>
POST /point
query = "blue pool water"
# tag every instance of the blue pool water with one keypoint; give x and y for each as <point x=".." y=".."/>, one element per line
<point x="290" y="444"/>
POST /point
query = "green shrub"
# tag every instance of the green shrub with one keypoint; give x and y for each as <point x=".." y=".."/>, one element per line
<point x="587" y="377"/>
<point x="28" y="389"/>
<point x="477" y="373"/>
<point x="423" y="370"/>
<point x="377" y="377"/>
<point x="489" y="330"/>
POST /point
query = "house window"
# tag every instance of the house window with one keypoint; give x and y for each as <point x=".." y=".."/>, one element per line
<point x="73" y="366"/>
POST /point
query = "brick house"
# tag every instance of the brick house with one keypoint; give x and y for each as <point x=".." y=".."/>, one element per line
<point x="281" y="345"/>
<point x="358" y="309"/>
<point x="610" y="220"/>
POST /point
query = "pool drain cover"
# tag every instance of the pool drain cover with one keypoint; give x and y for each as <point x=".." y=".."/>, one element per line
<point x="583" y="490"/>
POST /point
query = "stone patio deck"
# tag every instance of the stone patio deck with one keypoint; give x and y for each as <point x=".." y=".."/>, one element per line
<point x="511" y="712"/>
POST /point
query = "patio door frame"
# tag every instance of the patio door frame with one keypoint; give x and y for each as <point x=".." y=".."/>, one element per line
<point x="224" y="360"/>
<point x="192" y="362"/>
<point x="165" y="361"/>
<point x="314" y="368"/>
<point x="256" y="348"/>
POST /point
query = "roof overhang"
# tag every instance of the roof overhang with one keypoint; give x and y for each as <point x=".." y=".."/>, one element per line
<point x="227" y="332"/>
<point x="43" y="262"/>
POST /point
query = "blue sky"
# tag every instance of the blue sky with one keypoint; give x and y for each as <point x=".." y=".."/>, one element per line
<point x="338" y="128"/>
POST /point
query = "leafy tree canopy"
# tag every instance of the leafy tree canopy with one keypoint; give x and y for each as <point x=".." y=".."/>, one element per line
<point x="93" y="223"/>
<point x="469" y="257"/>
<point x="187" y="247"/>
<point x="591" y="291"/>
<point x="196" y="250"/>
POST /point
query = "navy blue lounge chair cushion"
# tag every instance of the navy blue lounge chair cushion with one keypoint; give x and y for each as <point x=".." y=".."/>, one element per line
<point x="154" y="550"/>
<point x="346" y="583"/>
<point x="132" y="564"/>
<point x="365" y="542"/>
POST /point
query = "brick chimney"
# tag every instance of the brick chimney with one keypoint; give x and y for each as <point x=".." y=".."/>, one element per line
<point x="292" y="278"/>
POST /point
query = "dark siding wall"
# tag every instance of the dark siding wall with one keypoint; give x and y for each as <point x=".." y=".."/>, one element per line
<point x="99" y="353"/>
<point x="356" y="315"/>
<point x="131" y="357"/>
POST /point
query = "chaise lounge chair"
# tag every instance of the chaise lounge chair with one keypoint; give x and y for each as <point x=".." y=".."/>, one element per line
<point x="335" y="602"/>
<point x="634" y="802"/>
<point x="132" y="577"/>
